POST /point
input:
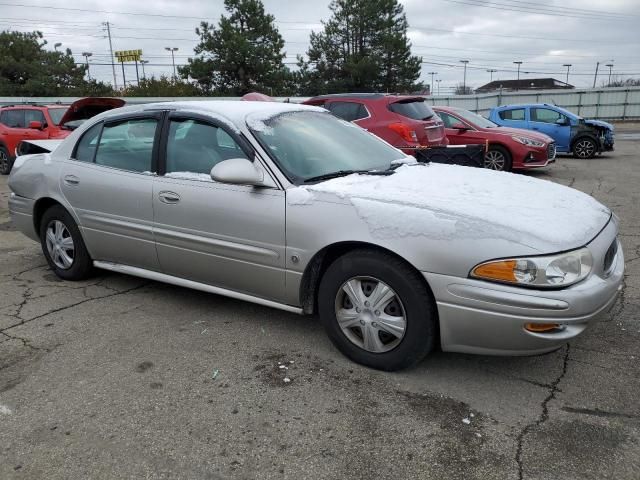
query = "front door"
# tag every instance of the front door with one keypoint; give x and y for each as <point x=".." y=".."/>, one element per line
<point x="109" y="184"/>
<point x="230" y="236"/>
<point x="551" y="123"/>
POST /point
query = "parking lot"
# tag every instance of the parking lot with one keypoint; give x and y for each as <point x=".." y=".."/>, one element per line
<point x="122" y="377"/>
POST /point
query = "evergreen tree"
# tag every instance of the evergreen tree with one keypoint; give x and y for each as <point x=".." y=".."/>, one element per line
<point x="243" y="53"/>
<point x="363" y="47"/>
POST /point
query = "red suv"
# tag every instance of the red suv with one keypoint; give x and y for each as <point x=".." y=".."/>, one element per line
<point x="405" y="122"/>
<point x="39" y="122"/>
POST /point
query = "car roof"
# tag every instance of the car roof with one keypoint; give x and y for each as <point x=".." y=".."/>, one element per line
<point x="525" y="105"/>
<point x="366" y="96"/>
<point x="32" y="106"/>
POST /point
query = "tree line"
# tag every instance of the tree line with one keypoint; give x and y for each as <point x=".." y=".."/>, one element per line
<point x="363" y="47"/>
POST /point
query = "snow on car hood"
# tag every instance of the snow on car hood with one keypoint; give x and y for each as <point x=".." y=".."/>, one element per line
<point x="449" y="201"/>
<point x="599" y="123"/>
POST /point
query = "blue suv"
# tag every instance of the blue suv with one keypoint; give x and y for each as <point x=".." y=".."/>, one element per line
<point x="574" y="134"/>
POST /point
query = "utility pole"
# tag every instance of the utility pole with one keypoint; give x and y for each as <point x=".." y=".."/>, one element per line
<point x="432" y="74"/>
<point x="137" y="75"/>
<point x="568" y="65"/>
<point x="464" y="78"/>
<point x="610" y="65"/>
<point x="491" y="72"/>
<point x="86" y="57"/>
<point x="113" y="65"/>
<point x="142" y="62"/>
<point x="595" y="77"/>
<point x="173" y="59"/>
<point x="438" y="82"/>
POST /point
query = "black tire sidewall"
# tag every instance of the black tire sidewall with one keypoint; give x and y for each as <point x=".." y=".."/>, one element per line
<point x="581" y="139"/>
<point x="421" y="330"/>
<point x="5" y="170"/>
<point x="82" y="263"/>
<point x="508" y="162"/>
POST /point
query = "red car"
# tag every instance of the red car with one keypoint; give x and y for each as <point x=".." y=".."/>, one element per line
<point x="405" y="122"/>
<point x="40" y="122"/>
<point x="507" y="148"/>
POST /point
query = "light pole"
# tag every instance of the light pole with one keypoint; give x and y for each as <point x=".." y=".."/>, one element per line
<point x="610" y="65"/>
<point x="464" y="78"/>
<point x="432" y="74"/>
<point x="568" y="65"/>
<point x="438" y="82"/>
<point x="56" y="45"/>
<point x="86" y="57"/>
<point x="518" y="81"/>
<point x="173" y="59"/>
<point x="491" y="72"/>
<point x="143" y="62"/>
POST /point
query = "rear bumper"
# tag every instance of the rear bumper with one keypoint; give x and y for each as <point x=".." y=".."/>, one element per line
<point x="487" y="318"/>
<point x="21" y="211"/>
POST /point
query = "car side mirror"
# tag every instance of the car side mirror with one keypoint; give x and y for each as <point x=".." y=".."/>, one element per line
<point x="460" y="126"/>
<point x="237" y="171"/>
<point x="35" y="125"/>
<point x="562" y="122"/>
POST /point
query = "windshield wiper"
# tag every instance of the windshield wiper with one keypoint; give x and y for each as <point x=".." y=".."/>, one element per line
<point x="344" y="173"/>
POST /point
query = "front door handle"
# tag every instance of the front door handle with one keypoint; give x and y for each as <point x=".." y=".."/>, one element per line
<point x="71" y="180"/>
<point x="169" y="197"/>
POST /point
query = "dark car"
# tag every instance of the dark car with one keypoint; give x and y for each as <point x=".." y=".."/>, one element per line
<point x="406" y="122"/>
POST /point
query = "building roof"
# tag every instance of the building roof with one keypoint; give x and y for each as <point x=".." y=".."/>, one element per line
<point x="525" y="84"/>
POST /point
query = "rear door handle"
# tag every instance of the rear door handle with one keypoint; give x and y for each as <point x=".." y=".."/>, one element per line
<point x="71" y="180"/>
<point x="169" y="197"/>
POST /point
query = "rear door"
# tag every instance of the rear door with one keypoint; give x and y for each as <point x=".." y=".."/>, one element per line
<point x="109" y="183"/>
<point x="545" y="120"/>
<point x="513" y="117"/>
<point x="230" y="236"/>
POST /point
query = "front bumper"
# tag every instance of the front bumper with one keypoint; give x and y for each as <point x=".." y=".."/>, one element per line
<point x="489" y="318"/>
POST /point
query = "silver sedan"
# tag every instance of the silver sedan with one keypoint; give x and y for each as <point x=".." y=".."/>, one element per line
<point x="290" y="207"/>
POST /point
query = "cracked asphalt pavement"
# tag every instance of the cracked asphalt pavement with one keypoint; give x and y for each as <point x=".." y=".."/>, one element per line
<point x="118" y="377"/>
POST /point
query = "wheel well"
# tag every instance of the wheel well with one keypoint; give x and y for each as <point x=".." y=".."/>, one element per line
<point x="502" y="146"/>
<point x="320" y="262"/>
<point x="41" y="206"/>
<point x="583" y="136"/>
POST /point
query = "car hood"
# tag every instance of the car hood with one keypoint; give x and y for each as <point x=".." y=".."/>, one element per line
<point x="520" y="131"/>
<point x="599" y="123"/>
<point x="86" y="108"/>
<point x="453" y="202"/>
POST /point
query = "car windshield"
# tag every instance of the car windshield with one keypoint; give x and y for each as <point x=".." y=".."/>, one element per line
<point x="310" y="144"/>
<point x="475" y="119"/>
<point x="56" y="114"/>
<point x="414" y="109"/>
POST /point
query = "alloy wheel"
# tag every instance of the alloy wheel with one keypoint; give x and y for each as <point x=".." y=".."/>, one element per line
<point x="494" y="160"/>
<point x="370" y="314"/>
<point x="60" y="244"/>
<point x="585" y="149"/>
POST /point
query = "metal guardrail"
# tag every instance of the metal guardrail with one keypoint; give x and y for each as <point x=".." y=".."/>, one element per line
<point x="619" y="103"/>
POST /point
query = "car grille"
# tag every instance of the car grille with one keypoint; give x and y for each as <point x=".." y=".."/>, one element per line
<point x="609" y="258"/>
<point x="551" y="151"/>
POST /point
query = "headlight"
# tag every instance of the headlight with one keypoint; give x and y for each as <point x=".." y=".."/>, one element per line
<point x="528" y="141"/>
<point x="542" y="272"/>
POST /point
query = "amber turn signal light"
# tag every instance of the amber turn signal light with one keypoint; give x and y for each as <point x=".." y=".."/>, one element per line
<point x="541" y="327"/>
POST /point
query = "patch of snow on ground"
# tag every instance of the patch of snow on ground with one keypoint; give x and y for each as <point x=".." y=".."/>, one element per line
<point x="4" y="410"/>
<point x="448" y="201"/>
<point x="203" y="177"/>
<point x="299" y="196"/>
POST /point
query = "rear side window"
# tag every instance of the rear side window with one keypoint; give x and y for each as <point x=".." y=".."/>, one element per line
<point x="414" y="109"/>
<point x="86" y="147"/>
<point x="348" y="111"/>
<point x="515" y="114"/>
<point x="13" y="118"/>
<point x="127" y="145"/>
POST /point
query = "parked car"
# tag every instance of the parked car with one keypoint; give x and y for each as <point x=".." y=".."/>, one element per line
<point x="406" y="122"/>
<point x="572" y="133"/>
<point x="43" y="122"/>
<point x="290" y="207"/>
<point x="506" y="148"/>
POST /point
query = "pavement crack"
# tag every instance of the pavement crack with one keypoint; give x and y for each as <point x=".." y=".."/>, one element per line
<point x="60" y="309"/>
<point x="25" y="342"/>
<point x="544" y="414"/>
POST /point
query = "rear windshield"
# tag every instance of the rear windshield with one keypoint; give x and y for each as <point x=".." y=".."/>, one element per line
<point x="414" y="109"/>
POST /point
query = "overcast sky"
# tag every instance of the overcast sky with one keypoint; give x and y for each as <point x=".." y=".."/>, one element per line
<point x="491" y="34"/>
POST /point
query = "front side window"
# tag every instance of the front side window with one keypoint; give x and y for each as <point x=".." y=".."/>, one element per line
<point x="308" y="144"/>
<point x="546" y="115"/>
<point x="447" y="119"/>
<point x="515" y="114"/>
<point x="348" y="111"/>
<point x="56" y="114"/>
<point x="13" y="118"/>
<point x="34" y="116"/>
<point x="127" y="145"/>
<point x="196" y="147"/>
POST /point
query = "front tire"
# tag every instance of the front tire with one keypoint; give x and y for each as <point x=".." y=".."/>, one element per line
<point x="585" y="148"/>
<point x="5" y="161"/>
<point x="63" y="246"/>
<point x="377" y="310"/>
<point x="497" y="158"/>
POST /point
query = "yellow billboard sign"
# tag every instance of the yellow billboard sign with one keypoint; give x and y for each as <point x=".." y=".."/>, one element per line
<point x="128" y="55"/>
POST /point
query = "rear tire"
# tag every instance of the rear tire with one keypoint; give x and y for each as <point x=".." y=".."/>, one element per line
<point x="5" y="162"/>
<point x="391" y="324"/>
<point x="63" y="246"/>
<point x="498" y="158"/>
<point x="585" y="148"/>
